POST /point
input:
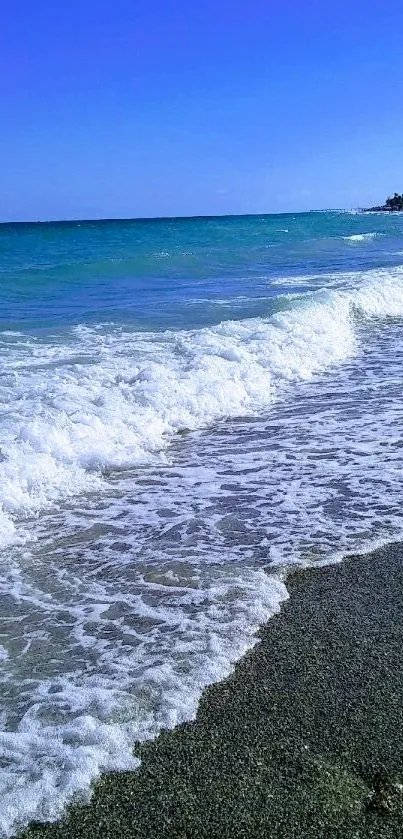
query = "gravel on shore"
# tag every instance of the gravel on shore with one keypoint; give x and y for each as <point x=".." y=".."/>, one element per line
<point x="303" y="741"/>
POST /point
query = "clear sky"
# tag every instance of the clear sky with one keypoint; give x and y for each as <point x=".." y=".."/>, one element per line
<point x="185" y="107"/>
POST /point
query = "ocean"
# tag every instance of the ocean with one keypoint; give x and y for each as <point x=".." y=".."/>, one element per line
<point x="189" y="408"/>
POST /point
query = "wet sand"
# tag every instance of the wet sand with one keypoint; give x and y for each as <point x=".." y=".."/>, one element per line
<point x="304" y="740"/>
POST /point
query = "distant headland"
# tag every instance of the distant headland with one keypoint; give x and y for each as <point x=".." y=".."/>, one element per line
<point x="391" y="205"/>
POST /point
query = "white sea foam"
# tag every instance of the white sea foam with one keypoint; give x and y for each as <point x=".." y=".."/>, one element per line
<point x="109" y="399"/>
<point x="79" y="723"/>
<point x="361" y="237"/>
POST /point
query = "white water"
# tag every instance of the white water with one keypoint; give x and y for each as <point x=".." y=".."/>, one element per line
<point x="105" y="398"/>
<point x="73" y="723"/>
<point x="154" y="587"/>
<point x="361" y="237"/>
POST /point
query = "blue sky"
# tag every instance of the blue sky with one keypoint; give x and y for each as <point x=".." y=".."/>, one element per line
<point x="149" y="108"/>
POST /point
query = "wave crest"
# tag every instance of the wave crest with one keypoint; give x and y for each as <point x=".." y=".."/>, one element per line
<point x="361" y="237"/>
<point x="110" y="399"/>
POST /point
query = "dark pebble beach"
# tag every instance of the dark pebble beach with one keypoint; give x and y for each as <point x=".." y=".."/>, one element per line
<point x="304" y="740"/>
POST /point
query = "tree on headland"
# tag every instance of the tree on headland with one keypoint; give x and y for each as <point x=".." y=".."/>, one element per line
<point x="395" y="203"/>
<point x="392" y="204"/>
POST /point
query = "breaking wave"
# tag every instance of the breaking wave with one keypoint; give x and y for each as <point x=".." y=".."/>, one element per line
<point x="361" y="237"/>
<point x="105" y="398"/>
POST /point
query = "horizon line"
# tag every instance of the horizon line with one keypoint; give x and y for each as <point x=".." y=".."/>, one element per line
<point x="179" y="218"/>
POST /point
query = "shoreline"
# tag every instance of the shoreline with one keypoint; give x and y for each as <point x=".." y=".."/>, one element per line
<point x="302" y="740"/>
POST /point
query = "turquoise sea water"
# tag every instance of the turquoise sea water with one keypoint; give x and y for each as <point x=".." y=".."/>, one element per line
<point x="184" y="405"/>
<point x="178" y="273"/>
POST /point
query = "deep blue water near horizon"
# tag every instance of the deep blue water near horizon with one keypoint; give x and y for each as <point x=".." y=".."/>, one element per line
<point x="146" y="272"/>
<point x="187" y="408"/>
